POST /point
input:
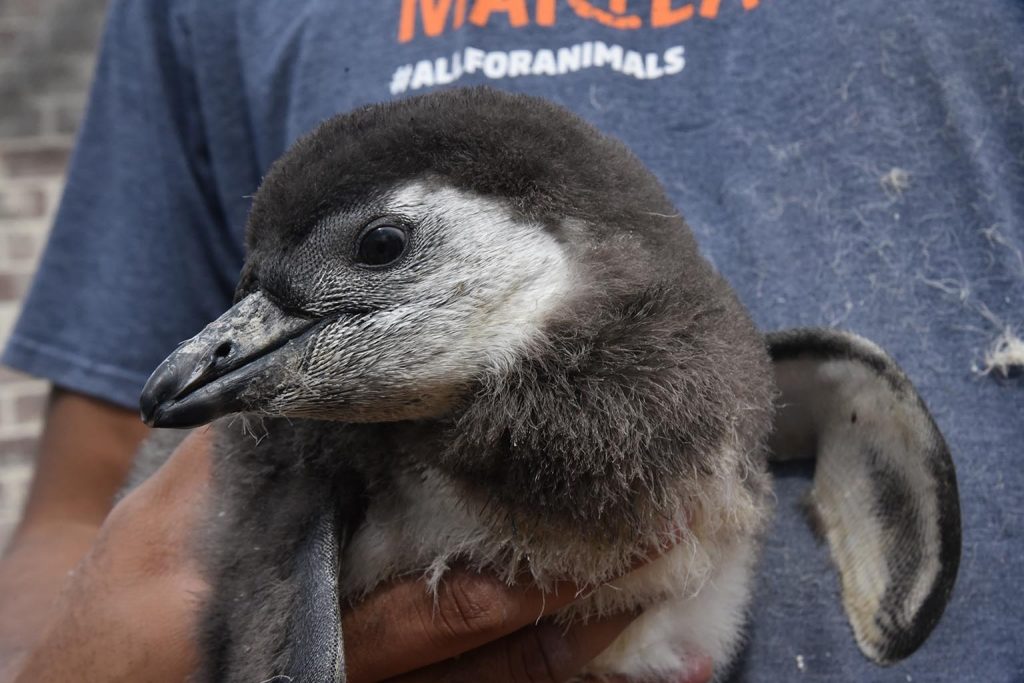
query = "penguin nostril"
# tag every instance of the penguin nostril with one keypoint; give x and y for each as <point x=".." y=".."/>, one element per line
<point x="222" y="351"/>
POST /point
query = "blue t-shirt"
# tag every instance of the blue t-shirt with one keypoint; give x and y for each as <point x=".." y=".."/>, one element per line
<point x="856" y="164"/>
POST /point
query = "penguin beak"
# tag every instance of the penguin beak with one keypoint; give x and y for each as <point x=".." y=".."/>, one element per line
<point x="233" y="365"/>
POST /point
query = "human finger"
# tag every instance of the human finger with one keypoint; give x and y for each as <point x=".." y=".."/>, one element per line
<point x="545" y="653"/>
<point x="701" y="670"/>
<point x="403" y="627"/>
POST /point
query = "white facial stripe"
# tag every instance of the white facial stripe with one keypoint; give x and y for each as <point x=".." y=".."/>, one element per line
<point x="478" y="285"/>
<point x="499" y="278"/>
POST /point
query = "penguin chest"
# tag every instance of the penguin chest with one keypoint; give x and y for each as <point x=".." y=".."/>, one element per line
<point x="418" y="525"/>
<point x="693" y="597"/>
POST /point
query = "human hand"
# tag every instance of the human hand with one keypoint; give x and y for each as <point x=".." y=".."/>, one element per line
<point x="479" y="629"/>
<point x="130" y="610"/>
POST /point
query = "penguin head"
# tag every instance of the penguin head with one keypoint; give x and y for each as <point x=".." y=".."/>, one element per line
<point x="400" y="251"/>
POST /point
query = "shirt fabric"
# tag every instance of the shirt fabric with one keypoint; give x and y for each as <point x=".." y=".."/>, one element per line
<point x="853" y="164"/>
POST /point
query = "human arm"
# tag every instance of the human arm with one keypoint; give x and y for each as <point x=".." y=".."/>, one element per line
<point x="129" y="609"/>
<point x="137" y="213"/>
<point x="84" y="454"/>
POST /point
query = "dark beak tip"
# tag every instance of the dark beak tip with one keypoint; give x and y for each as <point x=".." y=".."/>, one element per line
<point x="162" y="405"/>
<point x="149" y="417"/>
<point x="207" y="376"/>
<point x="160" y="396"/>
<point x="171" y="415"/>
<point x="154" y="395"/>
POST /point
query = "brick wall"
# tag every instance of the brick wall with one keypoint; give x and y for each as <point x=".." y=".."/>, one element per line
<point x="46" y="59"/>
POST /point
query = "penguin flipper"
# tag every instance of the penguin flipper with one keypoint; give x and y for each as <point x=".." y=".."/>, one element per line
<point x="273" y="613"/>
<point x="884" y="494"/>
<point x="316" y="649"/>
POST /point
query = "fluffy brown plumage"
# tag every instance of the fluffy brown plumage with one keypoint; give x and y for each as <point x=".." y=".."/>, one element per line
<point x="548" y="381"/>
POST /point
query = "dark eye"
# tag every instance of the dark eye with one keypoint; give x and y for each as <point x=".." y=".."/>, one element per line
<point x="381" y="245"/>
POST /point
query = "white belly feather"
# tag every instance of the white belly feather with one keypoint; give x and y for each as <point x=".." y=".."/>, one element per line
<point x="695" y="595"/>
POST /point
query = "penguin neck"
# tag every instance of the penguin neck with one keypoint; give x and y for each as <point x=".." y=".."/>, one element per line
<point x="599" y="426"/>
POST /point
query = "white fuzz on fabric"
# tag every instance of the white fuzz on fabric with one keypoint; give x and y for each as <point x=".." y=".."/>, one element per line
<point x="1005" y="356"/>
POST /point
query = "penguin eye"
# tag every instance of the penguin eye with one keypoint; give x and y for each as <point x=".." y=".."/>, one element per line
<point x="381" y="245"/>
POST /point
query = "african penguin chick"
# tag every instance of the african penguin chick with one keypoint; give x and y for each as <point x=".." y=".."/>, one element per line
<point x="471" y="328"/>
